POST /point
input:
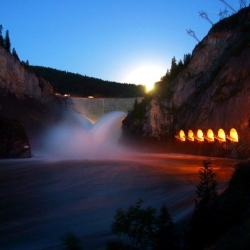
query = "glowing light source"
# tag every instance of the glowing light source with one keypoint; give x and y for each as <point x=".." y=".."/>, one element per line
<point x="199" y="136"/>
<point x="233" y="137"/>
<point x="181" y="136"/>
<point x="146" y="75"/>
<point x="210" y="135"/>
<point x="190" y="135"/>
<point x="221" y="135"/>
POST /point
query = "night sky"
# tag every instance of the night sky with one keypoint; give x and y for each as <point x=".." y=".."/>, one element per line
<point x="117" y="40"/>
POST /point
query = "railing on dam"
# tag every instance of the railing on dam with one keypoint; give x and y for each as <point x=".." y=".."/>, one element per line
<point x="94" y="108"/>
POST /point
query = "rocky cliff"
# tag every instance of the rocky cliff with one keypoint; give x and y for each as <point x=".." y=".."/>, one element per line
<point x="212" y="92"/>
<point x="27" y="103"/>
<point x="15" y="78"/>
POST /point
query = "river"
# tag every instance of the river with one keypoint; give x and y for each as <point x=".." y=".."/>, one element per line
<point x="43" y="198"/>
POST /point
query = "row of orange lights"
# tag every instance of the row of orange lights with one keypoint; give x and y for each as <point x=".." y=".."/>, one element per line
<point x="210" y="136"/>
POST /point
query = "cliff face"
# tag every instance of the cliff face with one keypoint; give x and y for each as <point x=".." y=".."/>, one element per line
<point x="27" y="103"/>
<point x="212" y="92"/>
<point x="16" y="79"/>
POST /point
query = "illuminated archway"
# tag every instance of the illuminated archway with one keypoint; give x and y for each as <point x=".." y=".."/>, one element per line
<point x="210" y="135"/>
<point x="221" y="135"/>
<point x="181" y="136"/>
<point x="200" y="136"/>
<point x="190" y="135"/>
<point x="233" y="137"/>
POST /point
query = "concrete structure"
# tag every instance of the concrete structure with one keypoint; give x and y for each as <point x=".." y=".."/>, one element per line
<point x="94" y="108"/>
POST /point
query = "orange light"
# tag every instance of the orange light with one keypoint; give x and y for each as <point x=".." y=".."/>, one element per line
<point x="181" y="136"/>
<point x="190" y="135"/>
<point x="233" y="135"/>
<point x="221" y="135"/>
<point x="210" y="135"/>
<point x="200" y="136"/>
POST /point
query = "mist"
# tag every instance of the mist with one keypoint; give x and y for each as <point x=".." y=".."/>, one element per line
<point x="75" y="136"/>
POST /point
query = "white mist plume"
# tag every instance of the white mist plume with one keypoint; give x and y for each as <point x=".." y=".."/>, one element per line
<point x="77" y="137"/>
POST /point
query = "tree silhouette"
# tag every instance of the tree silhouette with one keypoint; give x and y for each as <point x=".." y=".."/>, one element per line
<point x="206" y="189"/>
<point x="165" y="236"/>
<point x="14" y="53"/>
<point x="134" y="226"/>
<point x="202" y="230"/>
<point x="7" y="44"/>
<point x="141" y="228"/>
<point x="1" y="36"/>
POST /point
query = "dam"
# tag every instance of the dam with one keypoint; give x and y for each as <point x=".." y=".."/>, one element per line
<point x="95" y="108"/>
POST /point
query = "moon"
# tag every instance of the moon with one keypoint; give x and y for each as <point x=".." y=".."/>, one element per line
<point x="146" y="75"/>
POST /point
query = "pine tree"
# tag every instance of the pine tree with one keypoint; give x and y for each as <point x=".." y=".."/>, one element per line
<point x="1" y="36"/>
<point x="206" y="190"/>
<point x="14" y="53"/>
<point x="165" y="235"/>
<point x="202" y="228"/>
<point x="7" y="44"/>
<point x="136" y="104"/>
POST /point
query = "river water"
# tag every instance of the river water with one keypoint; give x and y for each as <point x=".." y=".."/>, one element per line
<point x="43" y="198"/>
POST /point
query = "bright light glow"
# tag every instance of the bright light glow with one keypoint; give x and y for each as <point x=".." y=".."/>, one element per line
<point x="200" y="135"/>
<point x="233" y="135"/>
<point x="221" y="135"/>
<point x="146" y="75"/>
<point x="190" y="135"/>
<point x="210" y="135"/>
<point x="181" y="136"/>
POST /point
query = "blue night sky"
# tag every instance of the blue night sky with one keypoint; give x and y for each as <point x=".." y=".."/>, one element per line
<point x="116" y="40"/>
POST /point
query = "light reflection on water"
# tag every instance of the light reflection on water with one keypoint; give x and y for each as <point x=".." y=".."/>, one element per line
<point x="43" y="199"/>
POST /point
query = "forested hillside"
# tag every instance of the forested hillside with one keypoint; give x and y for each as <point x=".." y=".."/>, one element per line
<point x="78" y="85"/>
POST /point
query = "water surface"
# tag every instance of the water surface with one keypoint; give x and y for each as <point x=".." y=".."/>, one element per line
<point x="42" y="199"/>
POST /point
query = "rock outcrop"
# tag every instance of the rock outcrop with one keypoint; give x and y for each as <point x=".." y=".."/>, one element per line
<point x="27" y="100"/>
<point x="212" y="92"/>
<point x="18" y="80"/>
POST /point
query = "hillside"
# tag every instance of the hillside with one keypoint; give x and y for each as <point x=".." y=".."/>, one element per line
<point x="211" y="92"/>
<point x="78" y="85"/>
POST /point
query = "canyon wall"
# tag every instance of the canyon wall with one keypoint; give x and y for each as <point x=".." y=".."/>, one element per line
<point x="28" y="103"/>
<point x="212" y="92"/>
<point x="16" y="78"/>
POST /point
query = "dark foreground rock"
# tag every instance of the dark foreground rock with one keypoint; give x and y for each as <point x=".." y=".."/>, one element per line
<point x="14" y="142"/>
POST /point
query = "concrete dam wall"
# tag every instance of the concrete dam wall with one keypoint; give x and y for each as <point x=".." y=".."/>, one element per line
<point x="94" y="108"/>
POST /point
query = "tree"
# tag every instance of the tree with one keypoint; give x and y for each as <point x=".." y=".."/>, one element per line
<point x="136" y="104"/>
<point x="134" y="226"/>
<point x="202" y="228"/>
<point x="14" y="53"/>
<point x="165" y="236"/>
<point x="186" y="59"/>
<point x="173" y="67"/>
<point x="7" y="44"/>
<point x="207" y="188"/>
<point x="1" y="36"/>
<point x="141" y="228"/>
